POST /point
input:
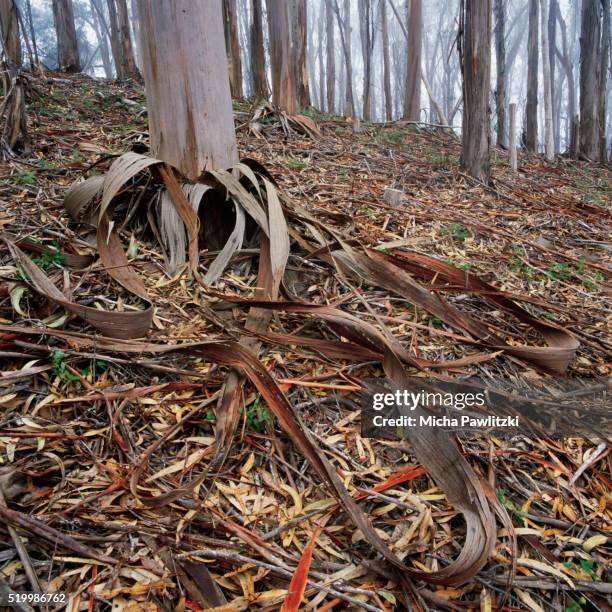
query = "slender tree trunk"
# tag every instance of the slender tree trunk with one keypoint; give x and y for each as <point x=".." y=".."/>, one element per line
<point x="258" y="58"/>
<point x="127" y="53"/>
<point x="301" y="52"/>
<point x="115" y="40"/>
<point x="367" y="44"/>
<point x="102" y="41"/>
<point x="512" y="138"/>
<point x="603" y="79"/>
<point x="549" y="138"/>
<point x="552" y="42"/>
<point x="320" y="58"/>
<point x="32" y="32"/>
<point x="345" y="38"/>
<point x="283" y="79"/>
<point x="188" y="96"/>
<point x="500" y="56"/>
<point x="475" y="35"/>
<point x="589" y="78"/>
<point x="67" y="48"/>
<point x="230" y="23"/>
<point x="568" y="67"/>
<point x="531" y="109"/>
<point x="412" y="100"/>
<point x="331" y="63"/>
<point x="386" y="61"/>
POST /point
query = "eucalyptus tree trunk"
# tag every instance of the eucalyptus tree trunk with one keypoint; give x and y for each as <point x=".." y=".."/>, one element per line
<point x="367" y="44"/>
<point x="9" y="27"/>
<point x="412" y="95"/>
<point x="67" y="48"/>
<point x="589" y="78"/>
<point x="568" y="67"/>
<point x="321" y="34"/>
<point x="552" y="41"/>
<point x="258" y="58"/>
<point x="475" y="32"/>
<point x="121" y="43"/>
<point x="283" y="79"/>
<point x="330" y="59"/>
<point x="230" y="28"/>
<point x="188" y="96"/>
<point x="500" y="57"/>
<point x="14" y="131"/>
<point x="531" y="109"/>
<point x="603" y="78"/>
<point x="301" y="53"/>
<point x="549" y="138"/>
<point x="386" y="61"/>
<point x="28" y="5"/>
<point x="100" y="31"/>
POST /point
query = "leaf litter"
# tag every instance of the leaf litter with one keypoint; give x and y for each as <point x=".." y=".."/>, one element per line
<point x="158" y="440"/>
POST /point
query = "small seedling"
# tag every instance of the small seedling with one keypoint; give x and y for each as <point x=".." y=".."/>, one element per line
<point x="256" y="415"/>
<point x="297" y="164"/>
<point x="59" y="368"/>
<point x="26" y="178"/>
<point x="457" y="231"/>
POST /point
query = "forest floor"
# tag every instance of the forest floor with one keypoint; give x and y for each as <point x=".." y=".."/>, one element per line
<point x="84" y="424"/>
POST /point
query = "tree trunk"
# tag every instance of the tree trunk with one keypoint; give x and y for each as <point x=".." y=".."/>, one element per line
<point x="367" y="44"/>
<point x="283" y="79"/>
<point x="512" y="138"/>
<point x="552" y="42"/>
<point x="102" y="40"/>
<point x="412" y="101"/>
<point x="500" y="57"/>
<point x="345" y="39"/>
<point x="549" y="138"/>
<point x="188" y="96"/>
<point x="475" y="38"/>
<point x="531" y="108"/>
<point x="603" y="79"/>
<point x="589" y="79"/>
<point x="331" y="63"/>
<point x="568" y="67"/>
<point x="258" y="58"/>
<point x="230" y="23"/>
<point x="67" y="48"/>
<point x="386" y="61"/>
<point x="9" y="27"/>
<point x="127" y="52"/>
<point x="321" y="34"/>
<point x="301" y="53"/>
<point x="32" y="32"/>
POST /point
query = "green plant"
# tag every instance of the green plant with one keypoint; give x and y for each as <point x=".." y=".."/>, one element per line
<point x="26" y="178"/>
<point x="297" y="164"/>
<point x="457" y="231"/>
<point x="502" y="495"/>
<point x="394" y="136"/>
<point x="59" y="368"/>
<point x="560" y="270"/>
<point x="90" y="105"/>
<point x="256" y="415"/>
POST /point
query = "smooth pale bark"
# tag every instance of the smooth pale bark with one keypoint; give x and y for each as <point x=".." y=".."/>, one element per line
<point x="67" y="48"/>
<point x="512" y="137"/>
<point x="604" y="54"/>
<point x="552" y="42"/>
<point x="367" y="45"/>
<point x="386" y="61"/>
<point x="258" y="58"/>
<point x="345" y="38"/>
<point x="412" y="95"/>
<point x="566" y="62"/>
<point x="500" y="81"/>
<point x="230" y="28"/>
<point x="589" y="79"/>
<point x="549" y="138"/>
<point x="283" y="81"/>
<point x="127" y="52"/>
<point x="301" y="54"/>
<point x="100" y="31"/>
<point x="188" y="96"/>
<point x="531" y="108"/>
<point x="9" y="29"/>
<point x="330" y="60"/>
<point x="476" y="70"/>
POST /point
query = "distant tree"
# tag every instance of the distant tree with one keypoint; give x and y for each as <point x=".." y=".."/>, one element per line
<point x="121" y="42"/>
<point x="367" y="32"/>
<point x="500" y="61"/>
<point x="553" y="8"/>
<point x="603" y="78"/>
<point x="188" y="95"/>
<point x="386" y="61"/>
<point x="258" y="58"/>
<point x="589" y="78"/>
<point x="412" y="95"/>
<point x="100" y="28"/>
<point x="331" y="61"/>
<point x="564" y="57"/>
<point x="475" y="53"/>
<point x="531" y="108"/>
<point x="230" y="24"/>
<point x="283" y="79"/>
<point x="300" y="49"/>
<point x="549" y="138"/>
<point x="67" y="47"/>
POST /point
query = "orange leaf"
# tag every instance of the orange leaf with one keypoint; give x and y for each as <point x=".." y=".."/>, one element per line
<point x="300" y="578"/>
